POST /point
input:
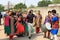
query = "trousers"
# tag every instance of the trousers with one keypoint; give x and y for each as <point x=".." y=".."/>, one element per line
<point x="30" y="26"/>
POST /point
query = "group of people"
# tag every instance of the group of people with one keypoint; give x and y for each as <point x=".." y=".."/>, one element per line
<point x="53" y="19"/>
<point x="22" y="23"/>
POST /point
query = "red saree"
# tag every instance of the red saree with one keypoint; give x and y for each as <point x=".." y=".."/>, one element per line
<point x="20" y="28"/>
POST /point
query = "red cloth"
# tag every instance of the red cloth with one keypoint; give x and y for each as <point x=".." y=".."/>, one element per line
<point x="6" y="20"/>
<point x="20" y="28"/>
<point x="11" y="36"/>
<point x="37" y="29"/>
<point x="55" y="25"/>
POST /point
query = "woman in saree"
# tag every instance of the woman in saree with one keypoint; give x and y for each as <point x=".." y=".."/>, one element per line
<point x="38" y="21"/>
<point x="25" y="22"/>
<point x="19" y="26"/>
<point x="6" y="23"/>
<point x="9" y="24"/>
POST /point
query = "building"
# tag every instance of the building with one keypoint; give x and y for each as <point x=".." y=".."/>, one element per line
<point x="54" y="5"/>
<point x="9" y="5"/>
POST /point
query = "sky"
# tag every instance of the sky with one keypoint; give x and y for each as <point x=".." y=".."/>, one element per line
<point x="27" y="2"/>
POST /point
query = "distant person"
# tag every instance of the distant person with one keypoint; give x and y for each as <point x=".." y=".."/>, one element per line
<point x="0" y="17"/>
<point x="55" y="25"/>
<point x="18" y="13"/>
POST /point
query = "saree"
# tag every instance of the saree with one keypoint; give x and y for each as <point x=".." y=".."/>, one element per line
<point x="20" y="28"/>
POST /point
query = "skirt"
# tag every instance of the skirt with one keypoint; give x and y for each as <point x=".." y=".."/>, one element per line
<point x="20" y="28"/>
<point x="25" y="27"/>
<point x="54" y="31"/>
<point x="7" y="29"/>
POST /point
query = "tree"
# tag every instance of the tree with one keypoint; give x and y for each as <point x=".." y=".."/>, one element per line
<point x="56" y="1"/>
<point x="20" y="6"/>
<point x="44" y="3"/>
<point x="1" y="7"/>
<point x="31" y="6"/>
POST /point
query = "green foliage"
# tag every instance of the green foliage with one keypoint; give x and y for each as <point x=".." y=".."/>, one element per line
<point x="44" y="3"/>
<point x="20" y="6"/>
<point x="56" y="1"/>
<point x="32" y="6"/>
<point x="1" y="7"/>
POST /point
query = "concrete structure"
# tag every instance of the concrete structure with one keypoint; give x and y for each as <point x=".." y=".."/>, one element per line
<point x="53" y="5"/>
<point x="6" y="6"/>
<point x="9" y="5"/>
